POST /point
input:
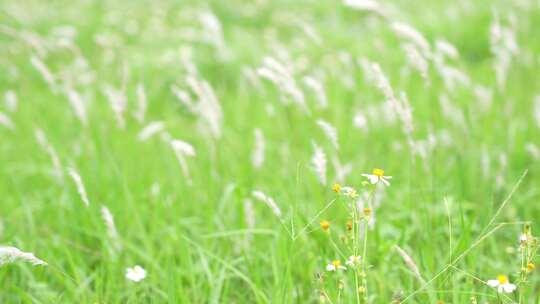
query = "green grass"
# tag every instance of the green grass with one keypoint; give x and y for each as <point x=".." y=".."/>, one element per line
<point x="194" y="240"/>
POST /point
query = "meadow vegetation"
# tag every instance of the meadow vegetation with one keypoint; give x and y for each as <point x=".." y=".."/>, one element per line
<point x="269" y="151"/>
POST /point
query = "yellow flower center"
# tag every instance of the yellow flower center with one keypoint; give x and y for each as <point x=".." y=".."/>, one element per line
<point x="336" y="187"/>
<point x="367" y="211"/>
<point x="325" y="225"/>
<point x="336" y="263"/>
<point x="378" y="172"/>
<point x="502" y="279"/>
<point x="531" y="267"/>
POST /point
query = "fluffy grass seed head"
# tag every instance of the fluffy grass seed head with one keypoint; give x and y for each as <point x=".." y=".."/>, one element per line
<point x="10" y="254"/>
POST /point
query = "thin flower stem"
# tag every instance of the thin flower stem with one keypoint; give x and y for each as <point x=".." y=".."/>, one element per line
<point x="327" y="297"/>
<point x="364" y="260"/>
<point x="364" y="249"/>
<point x="355" y="249"/>
<point x="336" y="247"/>
<point x="294" y="237"/>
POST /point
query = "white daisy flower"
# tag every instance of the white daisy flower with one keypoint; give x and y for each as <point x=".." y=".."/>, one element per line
<point x="136" y="274"/>
<point x="335" y="265"/>
<point x="378" y="176"/>
<point x="502" y="284"/>
<point x="353" y="261"/>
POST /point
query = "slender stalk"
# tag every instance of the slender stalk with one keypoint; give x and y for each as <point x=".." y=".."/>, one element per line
<point x="355" y="249"/>
<point x="364" y="261"/>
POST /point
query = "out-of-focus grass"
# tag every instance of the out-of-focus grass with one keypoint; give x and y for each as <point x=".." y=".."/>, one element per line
<point x="193" y="240"/>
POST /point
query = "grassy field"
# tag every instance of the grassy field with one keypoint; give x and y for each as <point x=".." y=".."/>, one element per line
<point x="204" y="142"/>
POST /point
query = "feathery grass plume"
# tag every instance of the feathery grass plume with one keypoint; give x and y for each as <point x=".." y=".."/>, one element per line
<point x="184" y="98"/>
<point x="268" y="201"/>
<point x="451" y="112"/>
<point x="118" y="101"/>
<point x="249" y="219"/>
<point x="536" y="110"/>
<point x="213" y="32"/>
<point x="282" y="77"/>
<point x="251" y="76"/>
<point x="500" y="180"/>
<point x="319" y="163"/>
<point x="182" y="150"/>
<point x="330" y="132"/>
<point x="10" y="99"/>
<point x="309" y="31"/>
<point x="404" y="111"/>
<point x="446" y="49"/>
<point x="400" y="105"/>
<point x="33" y="40"/>
<point x="80" y="186"/>
<point x="318" y="89"/>
<point x="44" y="71"/>
<point x="150" y="130"/>
<point x="417" y="60"/>
<point x="486" y="163"/>
<point x="364" y="5"/>
<point x="47" y="147"/>
<point x="503" y="46"/>
<point x="10" y="254"/>
<point x="6" y="121"/>
<point x="533" y="150"/>
<point x="78" y="105"/>
<point x="484" y="96"/>
<point x="249" y="214"/>
<point x="257" y="157"/>
<point x="341" y="170"/>
<point x="408" y="32"/>
<point x="451" y="76"/>
<point x="410" y="263"/>
<point x="381" y="81"/>
<point x="142" y="103"/>
<point x="108" y="219"/>
<point x="207" y="107"/>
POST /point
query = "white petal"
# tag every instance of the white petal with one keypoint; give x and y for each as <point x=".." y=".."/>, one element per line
<point x="385" y="182"/>
<point x="342" y="267"/>
<point x="493" y="283"/>
<point x="373" y="179"/>
<point x="387" y="177"/>
<point x="330" y="267"/>
<point x="508" y="288"/>
<point x="136" y="273"/>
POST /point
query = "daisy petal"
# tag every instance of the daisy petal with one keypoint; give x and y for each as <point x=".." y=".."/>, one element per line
<point x="508" y="288"/>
